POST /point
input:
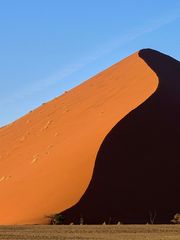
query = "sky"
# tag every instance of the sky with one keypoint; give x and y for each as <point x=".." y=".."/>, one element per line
<point x="50" y="46"/>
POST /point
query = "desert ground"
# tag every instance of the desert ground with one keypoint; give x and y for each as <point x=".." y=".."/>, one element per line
<point x="120" y="232"/>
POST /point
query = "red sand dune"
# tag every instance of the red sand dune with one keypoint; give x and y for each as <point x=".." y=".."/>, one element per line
<point x="136" y="173"/>
<point x="47" y="157"/>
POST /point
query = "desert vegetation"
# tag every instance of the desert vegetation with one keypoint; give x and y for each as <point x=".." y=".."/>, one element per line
<point x="176" y="219"/>
<point x="56" y="219"/>
<point x="60" y="219"/>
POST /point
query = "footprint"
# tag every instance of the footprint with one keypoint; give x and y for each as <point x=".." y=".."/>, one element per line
<point x="2" y="178"/>
<point x="28" y="121"/>
<point x="35" y="158"/>
<point x="50" y="146"/>
<point x="22" y="139"/>
<point x="46" y="125"/>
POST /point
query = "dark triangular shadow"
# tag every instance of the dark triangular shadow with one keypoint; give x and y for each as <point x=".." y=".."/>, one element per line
<point x="137" y="169"/>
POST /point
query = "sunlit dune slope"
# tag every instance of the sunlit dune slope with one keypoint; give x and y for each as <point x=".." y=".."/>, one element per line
<point x="136" y="172"/>
<point x="47" y="157"/>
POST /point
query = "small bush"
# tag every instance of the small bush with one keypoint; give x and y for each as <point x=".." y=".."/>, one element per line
<point x="56" y="219"/>
<point x="176" y="219"/>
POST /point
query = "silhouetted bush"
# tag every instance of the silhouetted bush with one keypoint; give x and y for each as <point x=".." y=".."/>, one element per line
<point x="176" y="219"/>
<point x="56" y="219"/>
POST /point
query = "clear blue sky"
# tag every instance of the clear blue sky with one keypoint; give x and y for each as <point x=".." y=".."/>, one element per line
<point x="49" y="46"/>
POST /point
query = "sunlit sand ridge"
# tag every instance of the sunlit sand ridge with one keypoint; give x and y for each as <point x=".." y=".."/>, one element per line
<point x="47" y="156"/>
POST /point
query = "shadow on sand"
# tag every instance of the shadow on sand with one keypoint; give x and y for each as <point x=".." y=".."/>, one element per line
<point x="137" y="170"/>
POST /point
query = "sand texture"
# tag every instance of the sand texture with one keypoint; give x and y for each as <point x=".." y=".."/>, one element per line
<point x="136" y="173"/>
<point x="47" y="157"/>
<point x="91" y="232"/>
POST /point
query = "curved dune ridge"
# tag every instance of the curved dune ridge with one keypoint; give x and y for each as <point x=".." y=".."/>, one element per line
<point x="47" y="157"/>
<point x="136" y="173"/>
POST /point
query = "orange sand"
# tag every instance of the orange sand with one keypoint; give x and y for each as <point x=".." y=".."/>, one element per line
<point x="47" y="156"/>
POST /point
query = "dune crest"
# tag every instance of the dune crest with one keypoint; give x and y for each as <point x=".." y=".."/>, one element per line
<point x="50" y="153"/>
<point x="136" y="173"/>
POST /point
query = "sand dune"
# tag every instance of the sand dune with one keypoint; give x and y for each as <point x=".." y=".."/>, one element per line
<point x="47" y="157"/>
<point x="136" y="174"/>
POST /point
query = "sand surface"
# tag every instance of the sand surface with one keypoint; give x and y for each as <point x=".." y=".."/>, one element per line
<point x="136" y="172"/>
<point x="92" y="232"/>
<point x="47" y="157"/>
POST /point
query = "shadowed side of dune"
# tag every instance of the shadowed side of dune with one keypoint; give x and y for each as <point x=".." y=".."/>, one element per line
<point x="136" y="173"/>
